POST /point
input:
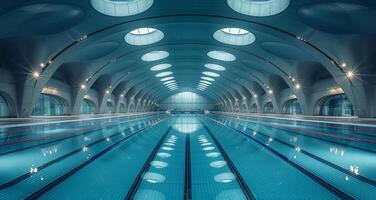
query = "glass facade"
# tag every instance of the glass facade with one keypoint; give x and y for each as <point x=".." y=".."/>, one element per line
<point x="292" y="107"/>
<point x="187" y="101"/>
<point x="4" y="109"/>
<point x="269" y="108"/>
<point x="87" y="107"/>
<point x="335" y="105"/>
<point x="48" y="105"/>
<point x="253" y="108"/>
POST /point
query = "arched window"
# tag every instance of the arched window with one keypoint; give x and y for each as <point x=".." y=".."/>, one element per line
<point x="236" y="108"/>
<point x="4" y="108"/>
<point x="132" y="108"/>
<point x="87" y="107"/>
<point x="109" y="108"/>
<point x="49" y="105"/>
<point x="187" y="101"/>
<point x="244" y="108"/>
<point x="292" y="107"/>
<point x="269" y="108"/>
<point x="253" y="108"/>
<point x="122" y="108"/>
<point x="335" y="105"/>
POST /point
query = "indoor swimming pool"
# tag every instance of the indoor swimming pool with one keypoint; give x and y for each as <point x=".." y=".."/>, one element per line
<point x="186" y="156"/>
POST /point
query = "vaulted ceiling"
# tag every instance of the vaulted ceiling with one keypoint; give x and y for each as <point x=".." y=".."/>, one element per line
<point x="81" y="44"/>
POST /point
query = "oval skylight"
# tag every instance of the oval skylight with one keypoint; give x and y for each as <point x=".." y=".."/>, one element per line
<point x="234" y="36"/>
<point x="203" y="84"/>
<point x="221" y="55"/>
<point x="121" y="8"/>
<point x="207" y="82"/>
<point x="167" y="82"/>
<point x="167" y="78"/>
<point x="154" y="56"/>
<point x="215" y="67"/>
<point x="171" y="84"/>
<point x="144" y="36"/>
<point x="160" y="67"/>
<point x="212" y="74"/>
<point x="163" y="74"/>
<point x="207" y="78"/>
<point x="259" y="8"/>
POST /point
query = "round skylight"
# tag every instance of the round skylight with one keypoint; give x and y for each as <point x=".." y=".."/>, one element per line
<point x="155" y="55"/>
<point x="167" y="82"/>
<point x="160" y="67"/>
<point x="163" y="74"/>
<point x="215" y="67"/>
<point x="212" y="74"/>
<point x="121" y="8"/>
<point x="206" y="82"/>
<point x="234" y="36"/>
<point x="221" y="55"/>
<point x="167" y="78"/>
<point x="207" y="78"/>
<point x="258" y="8"/>
<point x="144" y="36"/>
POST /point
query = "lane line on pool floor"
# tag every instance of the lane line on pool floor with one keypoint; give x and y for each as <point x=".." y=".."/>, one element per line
<point x="317" y="158"/>
<point x="138" y="180"/>
<point x="65" y="176"/>
<point x="311" y="136"/>
<point x="188" y="176"/>
<point x="311" y="175"/>
<point x="245" y="188"/>
<point x="61" y="139"/>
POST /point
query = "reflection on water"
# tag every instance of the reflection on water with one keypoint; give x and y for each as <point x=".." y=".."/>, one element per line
<point x="186" y="124"/>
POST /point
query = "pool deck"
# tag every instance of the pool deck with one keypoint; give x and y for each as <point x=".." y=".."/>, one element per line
<point x="11" y="122"/>
<point x="7" y="122"/>
<point x="320" y="119"/>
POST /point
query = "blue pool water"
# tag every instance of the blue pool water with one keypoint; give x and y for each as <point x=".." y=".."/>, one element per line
<point x="188" y="157"/>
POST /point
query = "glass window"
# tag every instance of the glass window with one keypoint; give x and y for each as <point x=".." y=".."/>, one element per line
<point x="269" y="108"/>
<point x="292" y="107"/>
<point x="87" y="107"/>
<point x="4" y="109"/>
<point x="48" y="105"/>
<point x="253" y="108"/>
<point x="335" y="105"/>
<point x="186" y="101"/>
